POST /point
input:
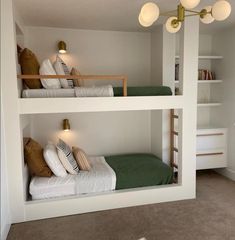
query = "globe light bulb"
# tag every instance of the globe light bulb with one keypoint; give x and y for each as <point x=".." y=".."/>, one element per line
<point x="221" y="10"/>
<point x="143" y="23"/>
<point x="173" y="25"/>
<point x="149" y="12"/>
<point x="207" y="19"/>
<point x="189" y="4"/>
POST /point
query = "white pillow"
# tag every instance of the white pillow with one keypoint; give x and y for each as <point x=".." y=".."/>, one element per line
<point x="60" y="71"/>
<point x="66" y="157"/>
<point x="47" y="69"/>
<point x="53" y="161"/>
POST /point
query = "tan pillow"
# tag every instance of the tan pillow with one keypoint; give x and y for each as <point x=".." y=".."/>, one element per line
<point x="30" y="66"/>
<point x="77" y="82"/>
<point x="81" y="158"/>
<point x="33" y="154"/>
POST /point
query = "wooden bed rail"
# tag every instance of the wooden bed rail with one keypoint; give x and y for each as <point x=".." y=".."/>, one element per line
<point x="82" y="77"/>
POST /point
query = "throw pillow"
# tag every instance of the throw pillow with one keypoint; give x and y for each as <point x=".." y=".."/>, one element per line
<point x="77" y="82"/>
<point x="47" y="69"/>
<point x="66" y="157"/>
<point x="58" y="66"/>
<point x="53" y="161"/>
<point x="30" y="66"/>
<point x="33" y="154"/>
<point x="66" y="70"/>
<point x="81" y="158"/>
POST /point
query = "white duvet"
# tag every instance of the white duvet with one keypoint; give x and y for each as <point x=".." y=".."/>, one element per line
<point x="101" y="178"/>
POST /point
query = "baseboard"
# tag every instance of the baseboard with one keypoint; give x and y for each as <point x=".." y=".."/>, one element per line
<point x="227" y="172"/>
<point x="5" y="231"/>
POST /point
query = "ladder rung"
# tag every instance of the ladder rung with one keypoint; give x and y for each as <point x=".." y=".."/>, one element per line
<point x="175" y="165"/>
<point x="175" y="149"/>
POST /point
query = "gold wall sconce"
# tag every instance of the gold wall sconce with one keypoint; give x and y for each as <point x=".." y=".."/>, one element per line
<point x="62" y="47"/>
<point x="66" y="125"/>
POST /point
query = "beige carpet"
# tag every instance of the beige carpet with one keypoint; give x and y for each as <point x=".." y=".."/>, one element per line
<point x="210" y="217"/>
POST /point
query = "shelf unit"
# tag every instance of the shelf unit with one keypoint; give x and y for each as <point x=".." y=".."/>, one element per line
<point x="211" y="138"/>
<point x="204" y="81"/>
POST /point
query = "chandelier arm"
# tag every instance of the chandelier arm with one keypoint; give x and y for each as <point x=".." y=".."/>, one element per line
<point x="192" y="15"/>
<point x="192" y="11"/>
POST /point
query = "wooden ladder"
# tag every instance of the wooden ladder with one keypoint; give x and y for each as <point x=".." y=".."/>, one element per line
<point x="173" y="133"/>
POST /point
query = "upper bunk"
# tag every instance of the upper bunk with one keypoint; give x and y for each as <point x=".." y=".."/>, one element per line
<point x="139" y="66"/>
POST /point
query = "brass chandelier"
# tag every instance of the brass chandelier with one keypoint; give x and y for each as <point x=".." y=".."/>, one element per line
<point x="150" y="13"/>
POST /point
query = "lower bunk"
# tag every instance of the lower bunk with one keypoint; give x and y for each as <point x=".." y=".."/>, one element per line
<point x="106" y="174"/>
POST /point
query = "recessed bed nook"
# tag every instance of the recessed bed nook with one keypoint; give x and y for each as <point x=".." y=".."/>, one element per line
<point x="71" y="158"/>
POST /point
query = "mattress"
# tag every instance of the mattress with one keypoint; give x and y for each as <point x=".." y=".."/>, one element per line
<point x="118" y="92"/>
<point x="106" y="174"/>
<point x="139" y="170"/>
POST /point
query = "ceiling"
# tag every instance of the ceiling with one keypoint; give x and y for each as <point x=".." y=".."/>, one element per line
<point x="116" y="15"/>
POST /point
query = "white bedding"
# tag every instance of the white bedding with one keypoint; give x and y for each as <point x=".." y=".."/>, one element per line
<point x="103" y="91"/>
<point x="101" y="178"/>
<point x="48" y="93"/>
<point x="43" y="187"/>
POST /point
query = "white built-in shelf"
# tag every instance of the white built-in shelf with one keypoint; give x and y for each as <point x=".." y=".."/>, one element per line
<point x="205" y="81"/>
<point x="206" y="57"/>
<point x="210" y="127"/>
<point x="209" y="104"/>
<point x="101" y="104"/>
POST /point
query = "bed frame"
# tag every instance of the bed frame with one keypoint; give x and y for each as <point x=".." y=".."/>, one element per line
<point x="82" y="77"/>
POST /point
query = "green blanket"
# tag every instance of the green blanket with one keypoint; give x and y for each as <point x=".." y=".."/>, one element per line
<point x="143" y="91"/>
<point x="139" y="170"/>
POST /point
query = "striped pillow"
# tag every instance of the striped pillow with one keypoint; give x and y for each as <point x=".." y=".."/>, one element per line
<point x="81" y="158"/>
<point x="66" y="71"/>
<point x="66" y="157"/>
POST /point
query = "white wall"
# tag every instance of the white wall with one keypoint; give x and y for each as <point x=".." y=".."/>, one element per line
<point x="223" y="44"/>
<point x="5" y="208"/>
<point x="98" y="133"/>
<point x="96" y="52"/>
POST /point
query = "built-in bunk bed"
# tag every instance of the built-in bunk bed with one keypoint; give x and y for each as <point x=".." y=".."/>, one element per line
<point x="21" y="111"/>
<point x="103" y="173"/>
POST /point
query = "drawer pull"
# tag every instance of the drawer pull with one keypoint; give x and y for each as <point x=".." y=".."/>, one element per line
<point x="209" y="154"/>
<point x="211" y="134"/>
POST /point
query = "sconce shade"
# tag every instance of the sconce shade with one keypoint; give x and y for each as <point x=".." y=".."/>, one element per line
<point x="221" y="10"/>
<point x="149" y="13"/>
<point x="189" y="4"/>
<point x="62" y="47"/>
<point x="66" y="125"/>
<point x="172" y="25"/>
<point x="207" y="19"/>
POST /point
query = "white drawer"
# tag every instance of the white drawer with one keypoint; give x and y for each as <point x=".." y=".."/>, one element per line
<point x="211" y="148"/>
<point x="210" y="139"/>
<point x="212" y="161"/>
